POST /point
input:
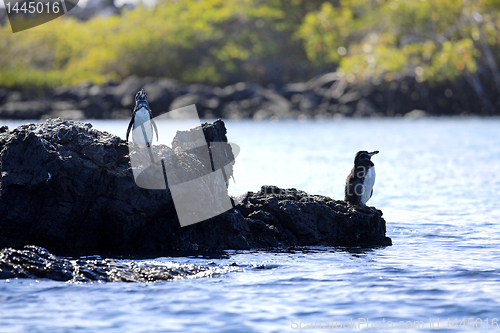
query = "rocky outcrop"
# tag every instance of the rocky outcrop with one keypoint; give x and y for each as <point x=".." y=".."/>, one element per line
<point x="37" y="263"/>
<point x="69" y="188"/>
<point x="324" y="97"/>
<point x="296" y="217"/>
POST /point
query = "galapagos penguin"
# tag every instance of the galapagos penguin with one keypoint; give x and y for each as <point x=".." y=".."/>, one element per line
<point x="359" y="183"/>
<point x="142" y="118"/>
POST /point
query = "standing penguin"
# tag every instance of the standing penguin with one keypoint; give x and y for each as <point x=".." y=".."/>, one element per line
<point x="359" y="183"/>
<point x="142" y="119"/>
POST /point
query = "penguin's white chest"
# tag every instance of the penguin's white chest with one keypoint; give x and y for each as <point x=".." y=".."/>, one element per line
<point x="143" y="132"/>
<point x="368" y="185"/>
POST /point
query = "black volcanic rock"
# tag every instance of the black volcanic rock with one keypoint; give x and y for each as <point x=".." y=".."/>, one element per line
<point x="296" y="217"/>
<point x="35" y="262"/>
<point x="329" y="95"/>
<point x="69" y="188"/>
<point x="25" y="110"/>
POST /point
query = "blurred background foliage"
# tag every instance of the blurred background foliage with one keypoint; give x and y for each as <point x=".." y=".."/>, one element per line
<point x="220" y="42"/>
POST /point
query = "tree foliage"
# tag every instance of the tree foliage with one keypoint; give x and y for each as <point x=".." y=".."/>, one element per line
<point x="433" y="40"/>
<point x="275" y="41"/>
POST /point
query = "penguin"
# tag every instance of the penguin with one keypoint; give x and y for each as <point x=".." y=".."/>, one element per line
<point x="142" y="116"/>
<point x="359" y="183"/>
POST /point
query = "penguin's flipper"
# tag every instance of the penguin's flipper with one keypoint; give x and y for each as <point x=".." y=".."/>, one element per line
<point x="130" y="126"/>
<point x="371" y="193"/>
<point x="156" y="128"/>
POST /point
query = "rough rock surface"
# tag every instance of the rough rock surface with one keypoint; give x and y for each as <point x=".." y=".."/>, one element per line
<point x="298" y="218"/>
<point x="69" y="188"/>
<point x="37" y="263"/>
<point x="326" y="96"/>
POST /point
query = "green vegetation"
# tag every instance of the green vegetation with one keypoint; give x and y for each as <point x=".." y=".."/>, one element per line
<point x="433" y="40"/>
<point x="224" y="41"/>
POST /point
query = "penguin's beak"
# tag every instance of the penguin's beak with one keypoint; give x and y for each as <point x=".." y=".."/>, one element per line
<point x="373" y="153"/>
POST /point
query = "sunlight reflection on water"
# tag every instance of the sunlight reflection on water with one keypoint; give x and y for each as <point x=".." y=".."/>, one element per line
<point x="437" y="184"/>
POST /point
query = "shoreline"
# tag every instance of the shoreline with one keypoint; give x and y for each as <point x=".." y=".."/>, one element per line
<point x="317" y="98"/>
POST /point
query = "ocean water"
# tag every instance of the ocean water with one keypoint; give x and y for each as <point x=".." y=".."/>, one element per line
<point x="438" y="184"/>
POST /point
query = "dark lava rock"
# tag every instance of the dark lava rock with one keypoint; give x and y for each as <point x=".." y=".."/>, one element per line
<point x="329" y="95"/>
<point x="246" y="100"/>
<point x="205" y="98"/>
<point x="37" y="263"/>
<point x="296" y="217"/>
<point x="69" y="188"/>
<point x="25" y="110"/>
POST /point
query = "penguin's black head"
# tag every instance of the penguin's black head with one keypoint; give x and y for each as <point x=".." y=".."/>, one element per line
<point x="141" y="96"/>
<point x="363" y="157"/>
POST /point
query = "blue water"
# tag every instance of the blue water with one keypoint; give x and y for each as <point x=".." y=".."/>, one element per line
<point x="438" y="184"/>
